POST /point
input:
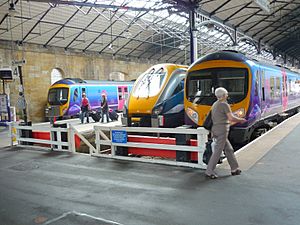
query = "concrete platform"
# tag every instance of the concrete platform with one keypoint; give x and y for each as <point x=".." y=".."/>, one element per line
<point x="39" y="187"/>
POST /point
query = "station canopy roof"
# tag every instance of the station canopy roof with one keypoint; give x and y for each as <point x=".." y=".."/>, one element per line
<point x="156" y="30"/>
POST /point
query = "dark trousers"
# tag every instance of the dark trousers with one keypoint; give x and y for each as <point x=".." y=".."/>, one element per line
<point x="105" y="112"/>
<point x="85" y="113"/>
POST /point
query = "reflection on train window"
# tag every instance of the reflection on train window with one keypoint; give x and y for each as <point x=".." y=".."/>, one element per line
<point x="277" y="91"/>
<point x="202" y="83"/>
<point x="150" y="84"/>
<point x="233" y="82"/>
<point x="272" y="87"/>
<point x="58" y="96"/>
<point x="75" y="96"/>
<point x="256" y="83"/>
<point x="178" y="88"/>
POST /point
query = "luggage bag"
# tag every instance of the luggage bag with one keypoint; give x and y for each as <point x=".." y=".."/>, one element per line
<point x="96" y="116"/>
<point x="113" y="115"/>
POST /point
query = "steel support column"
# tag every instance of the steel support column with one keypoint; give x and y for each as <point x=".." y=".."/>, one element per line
<point x="193" y="37"/>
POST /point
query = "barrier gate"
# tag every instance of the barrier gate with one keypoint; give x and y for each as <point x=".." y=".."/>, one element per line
<point x="117" y="138"/>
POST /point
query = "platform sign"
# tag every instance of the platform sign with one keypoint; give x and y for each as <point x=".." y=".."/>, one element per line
<point x="119" y="136"/>
<point x="3" y="103"/>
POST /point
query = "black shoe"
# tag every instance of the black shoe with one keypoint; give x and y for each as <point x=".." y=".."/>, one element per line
<point x="237" y="172"/>
<point x="211" y="176"/>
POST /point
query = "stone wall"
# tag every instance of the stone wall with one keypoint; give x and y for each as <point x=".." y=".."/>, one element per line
<point x="41" y="61"/>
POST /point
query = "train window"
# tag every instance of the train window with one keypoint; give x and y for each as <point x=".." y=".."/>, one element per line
<point x="125" y="89"/>
<point x="150" y="84"/>
<point x="272" y="87"/>
<point x="58" y="96"/>
<point x="256" y="87"/>
<point x="201" y="83"/>
<point x="75" y="96"/>
<point x="178" y="88"/>
<point x="277" y="91"/>
<point x="233" y="81"/>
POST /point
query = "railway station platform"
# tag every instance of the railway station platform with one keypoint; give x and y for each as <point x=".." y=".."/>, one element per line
<point x="42" y="187"/>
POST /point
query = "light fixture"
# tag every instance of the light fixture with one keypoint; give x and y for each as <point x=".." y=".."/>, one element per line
<point x="127" y="34"/>
<point x="111" y="47"/>
<point x="11" y="10"/>
<point x="181" y="46"/>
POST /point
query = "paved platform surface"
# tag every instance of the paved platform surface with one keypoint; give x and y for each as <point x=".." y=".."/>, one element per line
<point x="39" y="187"/>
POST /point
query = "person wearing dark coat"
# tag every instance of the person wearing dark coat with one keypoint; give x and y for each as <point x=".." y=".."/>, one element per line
<point x="104" y="108"/>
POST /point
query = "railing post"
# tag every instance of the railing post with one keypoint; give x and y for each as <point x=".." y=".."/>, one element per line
<point x="58" y="134"/>
<point x="52" y="139"/>
<point x="71" y="139"/>
<point x="10" y="124"/>
<point x="183" y="139"/>
<point x="97" y="140"/>
<point x="112" y="147"/>
<point x="201" y="140"/>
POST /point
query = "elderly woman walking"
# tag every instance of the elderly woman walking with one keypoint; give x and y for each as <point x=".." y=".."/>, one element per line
<point x="221" y="117"/>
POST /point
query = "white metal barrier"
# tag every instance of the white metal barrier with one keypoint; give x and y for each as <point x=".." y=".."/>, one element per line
<point x="113" y="142"/>
<point x="102" y="139"/>
<point x="16" y="136"/>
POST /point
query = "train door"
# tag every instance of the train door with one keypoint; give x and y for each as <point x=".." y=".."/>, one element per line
<point x="122" y="96"/>
<point x="262" y="90"/>
<point x="82" y="89"/>
<point x="284" y="91"/>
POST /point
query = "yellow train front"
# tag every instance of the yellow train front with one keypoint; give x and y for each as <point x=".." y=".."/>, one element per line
<point x="156" y="99"/>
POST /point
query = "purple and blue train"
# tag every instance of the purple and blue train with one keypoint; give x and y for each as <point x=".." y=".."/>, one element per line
<point x="261" y="93"/>
<point x="66" y="94"/>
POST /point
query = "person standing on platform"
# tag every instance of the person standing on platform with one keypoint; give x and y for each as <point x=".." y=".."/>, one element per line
<point x="85" y="107"/>
<point x="222" y="116"/>
<point x="104" y="108"/>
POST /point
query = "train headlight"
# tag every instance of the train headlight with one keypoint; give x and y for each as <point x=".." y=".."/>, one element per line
<point x="239" y="113"/>
<point x="158" y="110"/>
<point x="64" y="111"/>
<point x="192" y="114"/>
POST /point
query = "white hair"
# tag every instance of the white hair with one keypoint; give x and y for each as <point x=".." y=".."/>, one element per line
<point x="220" y="92"/>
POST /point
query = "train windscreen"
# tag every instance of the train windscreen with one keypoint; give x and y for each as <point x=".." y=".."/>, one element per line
<point x="150" y="84"/>
<point x="202" y="83"/>
<point x="58" y="96"/>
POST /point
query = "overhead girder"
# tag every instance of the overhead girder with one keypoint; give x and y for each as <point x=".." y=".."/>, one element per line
<point x="68" y="20"/>
<point x="173" y="34"/>
<point x="37" y="23"/>
<point x="280" y="8"/>
<point x="249" y="40"/>
<point x="236" y="12"/>
<point x="218" y="25"/>
<point x="83" y="30"/>
<point x="106" y="29"/>
<point x="281" y="24"/>
<point x="295" y="32"/>
<point x="122" y="32"/>
<point x="103" y="6"/>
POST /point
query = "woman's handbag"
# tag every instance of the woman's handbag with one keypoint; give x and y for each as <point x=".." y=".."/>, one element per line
<point x="209" y="149"/>
<point x="208" y="152"/>
<point x="208" y="123"/>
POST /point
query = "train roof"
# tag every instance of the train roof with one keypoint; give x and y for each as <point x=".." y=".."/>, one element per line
<point x="235" y="56"/>
<point x="71" y="81"/>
